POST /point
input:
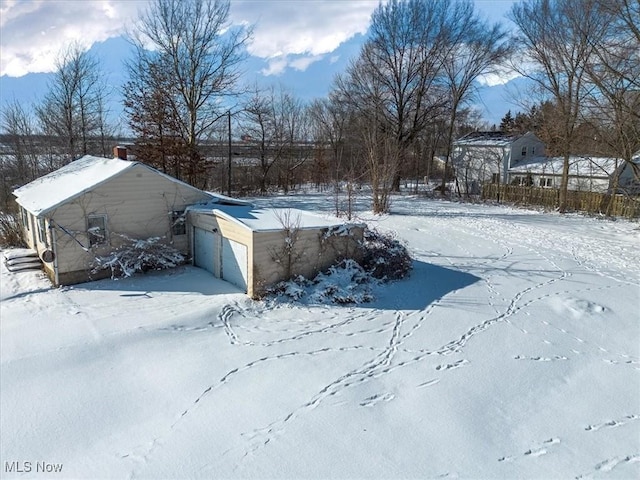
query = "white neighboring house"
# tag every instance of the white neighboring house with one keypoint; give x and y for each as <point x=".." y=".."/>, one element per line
<point x="482" y="157"/>
<point x="586" y="174"/>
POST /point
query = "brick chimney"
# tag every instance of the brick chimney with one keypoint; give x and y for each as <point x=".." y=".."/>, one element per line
<point x="120" y="152"/>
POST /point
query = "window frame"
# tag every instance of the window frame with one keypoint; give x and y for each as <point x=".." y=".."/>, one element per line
<point x="94" y="239"/>
<point x="545" y="182"/>
<point x="523" y="152"/>
<point x="24" y="216"/>
<point x="42" y="230"/>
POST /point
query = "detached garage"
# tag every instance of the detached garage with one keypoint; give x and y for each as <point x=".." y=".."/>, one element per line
<point x="254" y="248"/>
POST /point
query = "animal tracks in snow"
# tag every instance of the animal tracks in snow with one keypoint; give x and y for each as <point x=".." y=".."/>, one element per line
<point x="612" y="423"/>
<point x="536" y="451"/>
<point x="451" y="366"/>
<point x="375" y="399"/>
<point x="611" y="463"/>
<point x="541" y="359"/>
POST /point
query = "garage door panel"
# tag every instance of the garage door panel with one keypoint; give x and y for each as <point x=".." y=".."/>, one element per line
<point x="204" y="249"/>
<point x="234" y="263"/>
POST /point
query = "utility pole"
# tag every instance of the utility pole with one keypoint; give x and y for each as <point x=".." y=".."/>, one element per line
<point x="229" y="172"/>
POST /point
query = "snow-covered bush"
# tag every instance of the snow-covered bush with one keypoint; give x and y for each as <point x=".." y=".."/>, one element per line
<point x="138" y="256"/>
<point x="384" y="256"/>
<point x="344" y="283"/>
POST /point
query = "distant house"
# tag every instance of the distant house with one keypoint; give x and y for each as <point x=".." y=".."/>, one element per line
<point x="628" y="177"/>
<point x="586" y="173"/>
<point x="90" y="206"/>
<point x="84" y="209"/>
<point x="482" y="157"/>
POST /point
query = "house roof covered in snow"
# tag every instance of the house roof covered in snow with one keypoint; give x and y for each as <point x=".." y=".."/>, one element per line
<point x="80" y="176"/>
<point x="578" y="166"/>
<point x="488" y="139"/>
<point x="269" y="219"/>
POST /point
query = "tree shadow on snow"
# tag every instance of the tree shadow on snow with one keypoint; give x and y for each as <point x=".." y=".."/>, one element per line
<point x="426" y="284"/>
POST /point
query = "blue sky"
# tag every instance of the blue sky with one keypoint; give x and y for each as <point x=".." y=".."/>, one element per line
<point x="300" y="45"/>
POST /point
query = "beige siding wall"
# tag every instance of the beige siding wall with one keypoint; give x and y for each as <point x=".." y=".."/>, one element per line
<point x="268" y="260"/>
<point x="309" y="255"/>
<point x="137" y="203"/>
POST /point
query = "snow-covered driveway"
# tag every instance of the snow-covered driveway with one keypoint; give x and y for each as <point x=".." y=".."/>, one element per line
<point x="512" y="351"/>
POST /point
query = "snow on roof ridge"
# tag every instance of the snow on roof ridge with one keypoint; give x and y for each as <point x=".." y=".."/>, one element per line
<point x="77" y="177"/>
<point x="266" y="219"/>
<point x="490" y="137"/>
<point x="582" y="164"/>
<point x="51" y="190"/>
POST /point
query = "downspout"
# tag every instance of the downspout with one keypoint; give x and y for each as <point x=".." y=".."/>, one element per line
<point x="54" y="249"/>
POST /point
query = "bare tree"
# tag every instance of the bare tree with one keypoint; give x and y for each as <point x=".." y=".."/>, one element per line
<point x="275" y="123"/>
<point x="73" y="110"/>
<point x="474" y="48"/>
<point x="363" y="91"/>
<point x="295" y="140"/>
<point x="614" y="104"/>
<point x="18" y="125"/>
<point x="331" y="121"/>
<point x="203" y="54"/>
<point x="395" y="82"/>
<point x="263" y="128"/>
<point x="557" y="40"/>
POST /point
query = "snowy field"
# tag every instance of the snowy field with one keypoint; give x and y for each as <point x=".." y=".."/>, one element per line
<point x="512" y="351"/>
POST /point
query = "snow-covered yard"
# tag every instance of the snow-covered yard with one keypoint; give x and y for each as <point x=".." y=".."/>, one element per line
<point x="512" y="351"/>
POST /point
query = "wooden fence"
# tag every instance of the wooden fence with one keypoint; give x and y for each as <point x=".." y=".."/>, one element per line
<point x="589" y="202"/>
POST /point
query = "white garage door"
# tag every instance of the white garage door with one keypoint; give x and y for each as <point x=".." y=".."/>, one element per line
<point x="234" y="263"/>
<point x="204" y="249"/>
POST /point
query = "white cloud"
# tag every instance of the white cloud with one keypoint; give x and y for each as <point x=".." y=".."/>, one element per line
<point x="296" y="34"/>
<point x="499" y="77"/>
<point x="302" y="63"/>
<point x="275" y="66"/>
<point x="287" y="34"/>
<point x="35" y="31"/>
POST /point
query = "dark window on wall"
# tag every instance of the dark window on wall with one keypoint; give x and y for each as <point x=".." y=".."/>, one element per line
<point x="495" y="178"/>
<point x="42" y="231"/>
<point x="545" y="182"/>
<point x="533" y="151"/>
<point x="178" y="223"/>
<point x="25" y="218"/>
<point x="524" y="151"/>
<point x="97" y="229"/>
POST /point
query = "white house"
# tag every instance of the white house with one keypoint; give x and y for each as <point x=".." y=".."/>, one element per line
<point x="481" y="157"/>
<point x="586" y="173"/>
<point x="86" y="208"/>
